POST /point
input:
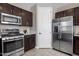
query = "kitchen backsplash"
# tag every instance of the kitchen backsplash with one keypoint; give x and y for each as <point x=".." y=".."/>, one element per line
<point x="21" y="28"/>
<point x="76" y="30"/>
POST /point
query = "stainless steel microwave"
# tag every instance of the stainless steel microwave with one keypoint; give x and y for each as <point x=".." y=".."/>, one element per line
<point x="10" y="19"/>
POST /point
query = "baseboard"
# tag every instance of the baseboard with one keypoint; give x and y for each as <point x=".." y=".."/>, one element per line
<point x="37" y="47"/>
<point x="43" y="47"/>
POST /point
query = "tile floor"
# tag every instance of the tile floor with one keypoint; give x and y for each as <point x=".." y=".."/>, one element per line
<point x="44" y="52"/>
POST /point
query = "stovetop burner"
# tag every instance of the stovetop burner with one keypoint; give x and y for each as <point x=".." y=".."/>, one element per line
<point x="11" y="33"/>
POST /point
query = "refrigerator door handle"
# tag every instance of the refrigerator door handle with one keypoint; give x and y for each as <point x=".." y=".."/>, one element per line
<point x="60" y="35"/>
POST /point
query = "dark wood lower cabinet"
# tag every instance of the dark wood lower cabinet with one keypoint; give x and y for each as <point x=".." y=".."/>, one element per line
<point x="29" y="42"/>
<point x="0" y="47"/>
<point x="76" y="45"/>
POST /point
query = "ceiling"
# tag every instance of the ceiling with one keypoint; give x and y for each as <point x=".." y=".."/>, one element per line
<point x="28" y="6"/>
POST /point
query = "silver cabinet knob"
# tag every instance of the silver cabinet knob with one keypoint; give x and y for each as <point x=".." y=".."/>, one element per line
<point x="40" y="33"/>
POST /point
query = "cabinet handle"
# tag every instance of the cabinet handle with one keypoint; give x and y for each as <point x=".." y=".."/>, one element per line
<point x="11" y="11"/>
<point x="1" y="8"/>
<point x="40" y="33"/>
<point x="27" y="23"/>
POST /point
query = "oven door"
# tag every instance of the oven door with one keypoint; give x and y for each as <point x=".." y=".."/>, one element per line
<point x="19" y="44"/>
<point x="9" y="47"/>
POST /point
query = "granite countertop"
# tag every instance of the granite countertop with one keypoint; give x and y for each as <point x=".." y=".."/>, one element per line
<point x="76" y="35"/>
<point x="30" y="34"/>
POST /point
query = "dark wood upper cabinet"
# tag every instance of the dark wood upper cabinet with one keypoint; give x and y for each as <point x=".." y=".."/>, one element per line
<point x="76" y="10"/>
<point x="10" y="9"/>
<point x="59" y="14"/>
<point x="5" y="8"/>
<point x="17" y="11"/>
<point x="1" y="7"/>
<point x="26" y="18"/>
<point x="29" y="19"/>
<point x="69" y="12"/>
<point x="76" y="20"/>
<point x="76" y="16"/>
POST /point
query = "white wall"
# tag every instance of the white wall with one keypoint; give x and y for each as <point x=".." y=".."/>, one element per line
<point x="33" y="28"/>
<point x="44" y="17"/>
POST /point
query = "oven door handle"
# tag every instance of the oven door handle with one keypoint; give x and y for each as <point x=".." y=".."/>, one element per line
<point x="18" y="38"/>
<point x="8" y="40"/>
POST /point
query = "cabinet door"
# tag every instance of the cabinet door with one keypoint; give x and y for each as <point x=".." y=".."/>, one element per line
<point x="0" y="47"/>
<point x="59" y="14"/>
<point x="1" y="7"/>
<point x="29" y="19"/>
<point x="76" y="20"/>
<point x="9" y="9"/>
<point x="5" y="8"/>
<point x="17" y="11"/>
<point x="69" y="12"/>
<point x="29" y="42"/>
<point x="26" y="43"/>
<point x="76" y="45"/>
<point x="24" y="18"/>
<point x="76" y="16"/>
<point x="32" y="41"/>
<point x="76" y="11"/>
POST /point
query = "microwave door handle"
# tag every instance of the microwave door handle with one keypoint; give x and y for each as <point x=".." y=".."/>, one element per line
<point x="60" y="33"/>
<point x="19" y="21"/>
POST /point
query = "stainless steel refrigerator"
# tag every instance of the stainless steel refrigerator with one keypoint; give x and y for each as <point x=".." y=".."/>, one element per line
<point x="62" y="29"/>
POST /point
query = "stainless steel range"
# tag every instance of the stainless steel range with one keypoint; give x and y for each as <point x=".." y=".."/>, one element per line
<point x="12" y="42"/>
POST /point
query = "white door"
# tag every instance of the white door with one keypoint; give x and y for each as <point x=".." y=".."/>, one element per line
<point x="44" y="17"/>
